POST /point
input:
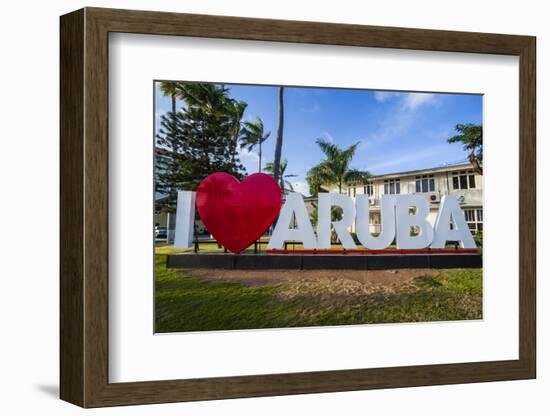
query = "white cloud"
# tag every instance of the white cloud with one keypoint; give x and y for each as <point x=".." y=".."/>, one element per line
<point x="383" y="96"/>
<point x="391" y="127"/>
<point x="248" y="154"/>
<point x="413" y="100"/>
<point x="402" y="118"/>
<point x="327" y="136"/>
<point x="409" y="100"/>
<point x="249" y="159"/>
<point x="396" y="161"/>
<point x="301" y="187"/>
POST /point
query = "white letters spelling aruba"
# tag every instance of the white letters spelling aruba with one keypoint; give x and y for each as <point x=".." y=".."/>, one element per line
<point x="400" y="214"/>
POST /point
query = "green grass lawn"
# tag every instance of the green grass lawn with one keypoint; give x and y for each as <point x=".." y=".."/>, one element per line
<point x="185" y="303"/>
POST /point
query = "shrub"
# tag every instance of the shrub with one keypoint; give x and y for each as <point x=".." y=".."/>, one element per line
<point x="478" y="238"/>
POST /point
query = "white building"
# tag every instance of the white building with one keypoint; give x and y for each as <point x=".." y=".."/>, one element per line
<point x="458" y="180"/>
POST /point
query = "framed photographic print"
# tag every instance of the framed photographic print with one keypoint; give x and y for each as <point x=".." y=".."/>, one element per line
<point x="256" y="207"/>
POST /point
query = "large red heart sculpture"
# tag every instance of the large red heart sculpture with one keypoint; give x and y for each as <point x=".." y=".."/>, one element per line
<point x="238" y="213"/>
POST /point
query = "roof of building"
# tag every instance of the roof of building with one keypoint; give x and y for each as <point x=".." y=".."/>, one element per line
<point x="447" y="168"/>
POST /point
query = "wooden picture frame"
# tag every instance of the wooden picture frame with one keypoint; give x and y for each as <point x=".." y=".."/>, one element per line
<point x="84" y="207"/>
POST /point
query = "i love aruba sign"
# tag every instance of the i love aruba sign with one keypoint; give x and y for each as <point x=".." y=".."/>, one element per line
<point x="239" y="213"/>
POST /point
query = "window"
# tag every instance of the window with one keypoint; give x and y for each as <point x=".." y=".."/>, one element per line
<point x="470" y="215"/>
<point x="392" y="186"/>
<point x="367" y="189"/>
<point x="455" y="182"/>
<point x="464" y="180"/>
<point x="474" y="219"/>
<point x="479" y="215"/>
<point x="354" y="191"/>
<point x="425" y="183"/>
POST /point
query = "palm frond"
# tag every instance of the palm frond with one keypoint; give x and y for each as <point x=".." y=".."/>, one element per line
<point x="330" y="150"/>
<point x="168" y="88"/>
<point x="348" y="153"/>
<point x="334" y="169"/>
<point x="356" y="176"/>
<point x="252" y="133"/>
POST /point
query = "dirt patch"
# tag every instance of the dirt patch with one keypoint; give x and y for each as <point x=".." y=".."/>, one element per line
<point x="337" y="278"/>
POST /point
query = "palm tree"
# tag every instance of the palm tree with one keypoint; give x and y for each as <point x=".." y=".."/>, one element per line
<point x="314" y="179"/>
<point x="212" y="98"/>
<point x="335" y="168"/>
<point x="471" y="135"/>
<point x="283" y="178"/>
<point x="236" y="111"/>
<point x="252" y="134"/>
<point x="279" y="140"/>
<point x="170" y="89"/>
<point x="216" y="102"/>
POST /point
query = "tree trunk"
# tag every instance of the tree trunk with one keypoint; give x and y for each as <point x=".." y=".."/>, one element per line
<point x="173" y="96"/>
<point x="234" y="153"/>
<point x="260" y="158"/>
<point x="475" y="163"/>
<point x="174" y="146"/>
<point x="279" y="142"/>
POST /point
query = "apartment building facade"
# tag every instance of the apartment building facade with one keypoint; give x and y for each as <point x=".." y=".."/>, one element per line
<point x="460" y="181"/>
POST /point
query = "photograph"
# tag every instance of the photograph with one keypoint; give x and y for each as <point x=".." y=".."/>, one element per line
<point x="280" y="206"/>
<point x="306" y="207"/>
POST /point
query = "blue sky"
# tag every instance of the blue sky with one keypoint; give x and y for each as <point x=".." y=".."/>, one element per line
<point x="396" y="131"/>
